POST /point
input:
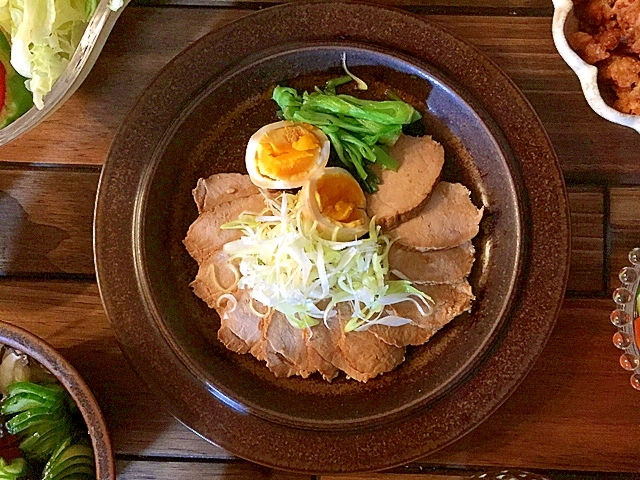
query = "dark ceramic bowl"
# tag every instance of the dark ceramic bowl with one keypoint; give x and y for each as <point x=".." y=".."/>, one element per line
<point x="42" y="352"/>
<point x="195" y="119"/>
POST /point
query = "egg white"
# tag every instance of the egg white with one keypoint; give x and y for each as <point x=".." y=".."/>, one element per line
<point x="263" y="181"/>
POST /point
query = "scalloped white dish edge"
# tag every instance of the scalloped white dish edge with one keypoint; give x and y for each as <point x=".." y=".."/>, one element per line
<point x="81" y="63"/>
<point x="587" y="74"/>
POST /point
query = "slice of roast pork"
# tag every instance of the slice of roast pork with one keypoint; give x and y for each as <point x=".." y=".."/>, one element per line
<point x="221" y="188"/>
<point x="238" y="321"/>
<point x="205" y="237"/>
<point x="361" y="355"/>
<point x="400" y="194"/>
<point x="450" y="265"/>
<point x="215" y="277"/>
<point x="447" y="220"/>
<point x="284" y="341"/>
<point x="450" y="301"/>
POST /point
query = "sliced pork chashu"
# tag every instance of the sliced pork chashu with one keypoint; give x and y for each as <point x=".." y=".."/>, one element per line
<point x="290" y="351"/>
<point x="239" y="322"/>
<point x="242" y="331"/>
<point x="214" y="278"/>
<point x="287" y="344"/>
<point x="221" y="188"/>
<point x="450" y="301"/>
<point x="205" y="237"/>
<point x="447" y="220"/>
<point x="361" y="355"/>
<point x="451" y="265"/>
<point x="402" y="192"/>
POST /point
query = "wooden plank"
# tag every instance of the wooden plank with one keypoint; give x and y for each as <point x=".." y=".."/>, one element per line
<point x="576" y="392"/>
<point x="164" y="470"/>
<point x="69" y="315"/>
<point x="46" y="217"/>
<point x="624" y="229"/>
<point x="587" y="239"/>
<point x="482" y="474"/>
<point x="82" y="130"/>
<point x="576" y="398"/>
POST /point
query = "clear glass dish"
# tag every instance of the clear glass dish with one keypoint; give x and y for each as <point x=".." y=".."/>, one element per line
<point x="626" y="317"/>
<point x="81" y="63"/>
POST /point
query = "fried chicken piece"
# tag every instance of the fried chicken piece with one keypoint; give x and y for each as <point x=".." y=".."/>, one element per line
<point x="628" y="100"/>
<point x="594" y="48"/>
<point x="596" y="12"/>
<point x="609" y="37"/>
<point x="627" y="15"/>
<point x="621" y="71"/>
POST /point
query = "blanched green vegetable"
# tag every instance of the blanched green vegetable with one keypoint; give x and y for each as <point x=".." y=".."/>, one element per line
<point x="42" y="416"/>
<point x="23" y="396"/>
<point x="359" y="130"/>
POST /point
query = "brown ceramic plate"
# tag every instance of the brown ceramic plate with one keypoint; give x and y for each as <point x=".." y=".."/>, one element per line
<point x="194" y="120"/>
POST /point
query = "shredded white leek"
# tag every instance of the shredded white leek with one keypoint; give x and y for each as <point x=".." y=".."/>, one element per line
<point x="361" y="84"/>
<point x="231" y="303"/>
<point x="213" y="276"/>
<point x="255" y="311"/>
<point x="292" y="269"/>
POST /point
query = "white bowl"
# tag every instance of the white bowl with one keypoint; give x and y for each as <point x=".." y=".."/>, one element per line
<point x="565" y="23"/>
<point x="81" y="63"/>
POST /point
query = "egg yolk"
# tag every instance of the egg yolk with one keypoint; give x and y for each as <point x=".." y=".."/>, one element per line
<point x="340" y="199"/>
<point x="287" y="153"/>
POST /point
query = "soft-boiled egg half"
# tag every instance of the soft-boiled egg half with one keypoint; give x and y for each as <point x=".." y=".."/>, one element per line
<point x="334" y="199"/>
<point x="286" y="154"/>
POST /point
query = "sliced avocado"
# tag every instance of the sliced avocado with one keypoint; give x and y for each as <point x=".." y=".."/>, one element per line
<point x="24" y="401"/>
<point x="14" y="470"/>
<point x="73" y="460"/>
<point x="30" y="418"/>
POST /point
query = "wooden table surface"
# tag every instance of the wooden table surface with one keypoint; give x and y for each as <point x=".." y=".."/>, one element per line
<point x="574" y="416"/>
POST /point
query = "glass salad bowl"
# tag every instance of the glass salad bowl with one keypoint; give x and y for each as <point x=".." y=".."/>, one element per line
<point x="626" y="317"/>
<point x="86" y="53"/>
